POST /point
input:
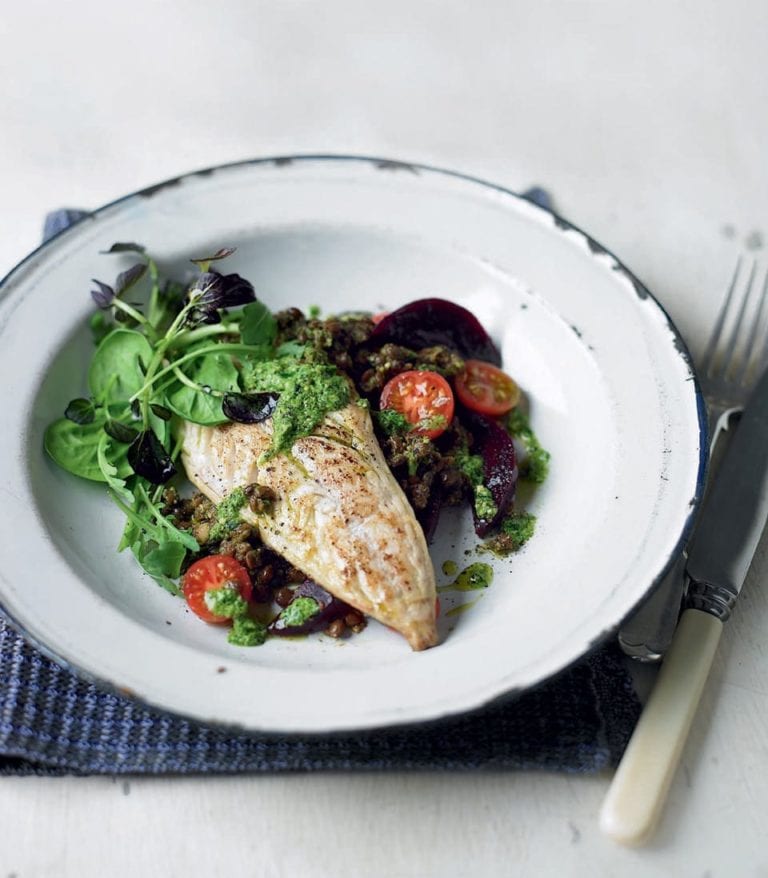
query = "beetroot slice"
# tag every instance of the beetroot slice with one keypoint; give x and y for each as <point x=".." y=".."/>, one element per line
<point x="428" y="322"/>
<point x="430" y="515"/>
<point x="331" y="608"/>
<point x="495" y="446"/>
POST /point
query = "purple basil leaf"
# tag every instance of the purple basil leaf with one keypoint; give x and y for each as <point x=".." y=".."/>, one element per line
<point x="223" y="290"/>
<point x="125" y="247"/>
<point x="428" y="322"/>
<point x="149" y="459"/>
<point x="209" y="283"/>
<point x="161" y="411"/>
<point x="221" y="253"/>
<point x="120" y="432"/>
<point x="249" y="408"/>
<point x="80" y="411"/>
<point x="202" y="317"/>
<point x="207" y="293"/>
<point x="102" y="296"/>
<point x="237" y="291"/>
<point x="495" y="446"/>
<point x="126" y="279"/>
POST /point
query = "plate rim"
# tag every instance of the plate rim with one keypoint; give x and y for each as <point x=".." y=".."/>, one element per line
<point x="562" y="226"/>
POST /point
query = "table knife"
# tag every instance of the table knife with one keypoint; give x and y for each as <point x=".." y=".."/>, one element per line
<point x="647" y="634"/>
<point x="730" y="524"/>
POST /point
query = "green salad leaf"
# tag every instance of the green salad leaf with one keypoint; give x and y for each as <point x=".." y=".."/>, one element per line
<point x="198" y="398"/>
<point x="161" y="559"/>
<point x="75" y="448"/>
<point x="258" y="325"/>
<point x="109" y="470"/>
<point x="118" y="366"/>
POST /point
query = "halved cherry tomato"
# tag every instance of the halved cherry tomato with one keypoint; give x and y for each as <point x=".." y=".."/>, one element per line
<point x="209" y="573"/>
<point x="422" y="398"/>
<point x="484" y="388"/>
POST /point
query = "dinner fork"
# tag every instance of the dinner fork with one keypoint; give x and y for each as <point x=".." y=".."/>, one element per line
<point x="735" y="355"/>
<point x="729" y="374"/>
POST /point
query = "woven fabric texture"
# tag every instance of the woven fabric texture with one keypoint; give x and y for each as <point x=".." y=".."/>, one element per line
<point x="51" y="722"/>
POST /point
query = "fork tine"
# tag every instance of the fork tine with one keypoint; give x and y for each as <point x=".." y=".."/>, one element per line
<point x="757" y="324"/>
<point x="728" y="359"/>
<point x="708" y="360"/>
<point x="762" y="360"/>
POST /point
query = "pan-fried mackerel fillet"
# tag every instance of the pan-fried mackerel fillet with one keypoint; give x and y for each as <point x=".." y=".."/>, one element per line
<point x="340" y="516"/>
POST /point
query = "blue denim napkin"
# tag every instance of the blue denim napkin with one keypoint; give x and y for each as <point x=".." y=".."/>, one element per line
<point x="52" y="722"/>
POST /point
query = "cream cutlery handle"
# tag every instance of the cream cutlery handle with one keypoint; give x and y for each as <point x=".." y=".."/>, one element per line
<point x="639" y="789"/>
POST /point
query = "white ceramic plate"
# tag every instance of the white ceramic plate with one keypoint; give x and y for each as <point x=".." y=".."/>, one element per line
<point x="612" y="396"/>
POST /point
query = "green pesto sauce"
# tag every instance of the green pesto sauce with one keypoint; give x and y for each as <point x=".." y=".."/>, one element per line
<point x="515" y="530"/>
<point x="520" y="526"/>
<point x="414" y="452"/>
<point x="225" y="601"/>
<point x="308" y="391"/>
<point x="392" y="422"/>
<point x="485" y="505"/>
<point x="535" y="467"/>
<point x="472" y="467"/>
<point x="472" y="578"/>
<point x="299" y="611"/>
<point x="462" y="608"/>
<point x="227" y="515"/>
<point x="247" y="632"/>
<point x="433" y="422"/>
<point x="449" y="567"/>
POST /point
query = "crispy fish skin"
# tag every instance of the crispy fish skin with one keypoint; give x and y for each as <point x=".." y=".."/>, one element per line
<point x="340" y="516"/>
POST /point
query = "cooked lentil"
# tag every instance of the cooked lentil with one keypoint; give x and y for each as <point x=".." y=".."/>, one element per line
<point x="336" y="628"/>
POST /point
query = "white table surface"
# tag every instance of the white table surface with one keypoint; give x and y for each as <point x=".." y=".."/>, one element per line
<point x="648" y="122"/>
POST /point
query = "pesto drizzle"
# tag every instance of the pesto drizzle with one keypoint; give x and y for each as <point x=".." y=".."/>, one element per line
<point x="472" y="467"/>
<point x="535" y="466"/>
<point x="308" y="392"/>
<point x="228" y="515"/>
<point x="473" y="578"/>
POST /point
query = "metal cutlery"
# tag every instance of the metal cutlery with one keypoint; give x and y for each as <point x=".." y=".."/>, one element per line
<point x="731" y="522"/>
<point x="732" y="361"/>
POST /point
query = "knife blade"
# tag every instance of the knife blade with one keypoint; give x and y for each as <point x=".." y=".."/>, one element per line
<point x="647" y="634"/>
<point x="729" y="527"/>
<point x="734" y="514"/>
